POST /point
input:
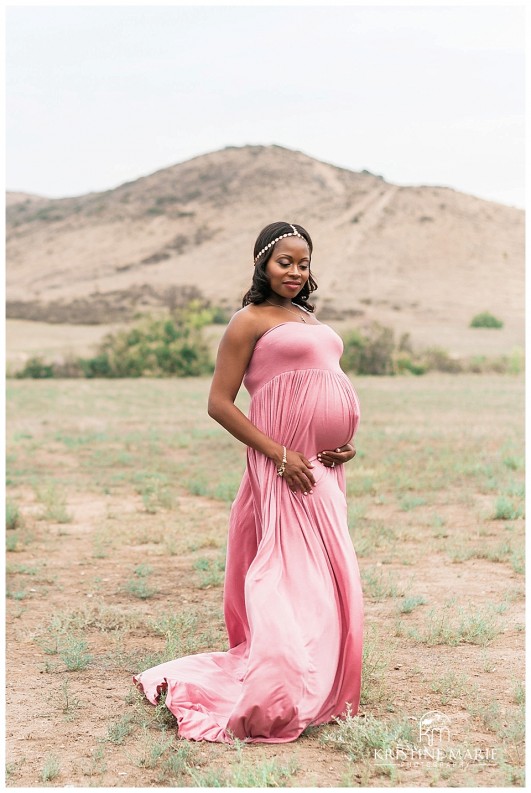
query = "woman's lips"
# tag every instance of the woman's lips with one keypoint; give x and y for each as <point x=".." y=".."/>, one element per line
<point x="292" y="285"/>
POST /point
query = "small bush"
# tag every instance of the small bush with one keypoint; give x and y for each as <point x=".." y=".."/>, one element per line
<point x="404" y="365"/>
<point x="155" y="347"/>
<point x="370" y="352"/>
<point x="13" y="517"/>
<point x="139" y="587"/>
<point x="438" y="359"/>
<point x="98" y="366"/>
<point x="499" y="364"/>
<point x="485" y="320"/>
<point x="505" y="510"/>
<point x="352" y="349"/>
<point x="74" y="653"/>
<point x="54" y="502"/>
<point x="159" y="346"/>
<point x="36" y="368"/>
<point x="360" y="738"/>
<point x="51" y="768"/>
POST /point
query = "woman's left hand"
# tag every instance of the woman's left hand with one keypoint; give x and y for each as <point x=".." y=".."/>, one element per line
<point x="338" y="456"/>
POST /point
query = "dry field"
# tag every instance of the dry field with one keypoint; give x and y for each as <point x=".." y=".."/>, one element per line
<point x="118" y="498"/>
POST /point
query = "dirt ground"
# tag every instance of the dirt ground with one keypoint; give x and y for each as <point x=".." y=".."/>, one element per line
<point x="117" y="556"/>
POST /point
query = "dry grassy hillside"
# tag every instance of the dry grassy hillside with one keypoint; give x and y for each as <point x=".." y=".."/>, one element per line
<point x="423" y="259"/>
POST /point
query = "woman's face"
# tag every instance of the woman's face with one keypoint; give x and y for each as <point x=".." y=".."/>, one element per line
<point x="288" y="268"/>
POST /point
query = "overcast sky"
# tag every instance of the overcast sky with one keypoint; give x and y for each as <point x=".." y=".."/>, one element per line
<point x="97" y="96"/>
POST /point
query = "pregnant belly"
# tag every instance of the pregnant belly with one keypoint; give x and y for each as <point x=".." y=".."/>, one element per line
<point x="308" y="411"/>
<point x="335" y="417"/>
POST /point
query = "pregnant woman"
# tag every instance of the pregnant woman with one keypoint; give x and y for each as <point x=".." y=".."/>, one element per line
<point x="293" y="601"/>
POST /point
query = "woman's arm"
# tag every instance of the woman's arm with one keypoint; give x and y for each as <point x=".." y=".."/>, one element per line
<point x="235" y="351"/>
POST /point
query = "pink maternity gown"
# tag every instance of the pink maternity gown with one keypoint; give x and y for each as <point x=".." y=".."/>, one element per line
<point x="293" y="600"/>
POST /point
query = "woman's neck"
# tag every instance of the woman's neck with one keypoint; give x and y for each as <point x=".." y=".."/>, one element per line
<point x="277" y="300"/>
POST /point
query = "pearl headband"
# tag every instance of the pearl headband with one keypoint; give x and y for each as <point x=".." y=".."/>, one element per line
<point x="293" y="233"/>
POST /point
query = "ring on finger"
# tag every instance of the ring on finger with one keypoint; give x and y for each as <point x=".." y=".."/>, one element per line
<point x="333" y="465"/>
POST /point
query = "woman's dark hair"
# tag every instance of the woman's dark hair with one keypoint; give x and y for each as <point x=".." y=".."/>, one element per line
<point x="260" y="288"/>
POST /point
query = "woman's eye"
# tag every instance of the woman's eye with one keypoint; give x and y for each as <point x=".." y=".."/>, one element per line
<point x="300" y="266"/>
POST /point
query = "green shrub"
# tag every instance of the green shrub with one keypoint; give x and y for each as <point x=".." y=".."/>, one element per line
<point x="220" y="316"/>
<point x="377" y="356"/>
<point x="13" y="516"/>
<point x="352" y="348"/>
<point x="405" y="364"/>
<point x="158" y="346"/>
<point x="514" y="363"/>
<point x="370" y="353"/>
<point x="35" y="367"/>
<point x="486" y="320"/>
<point x="154" y="349"/>
<point x="440" y="360"/>
<point x="98" y="366"/>
<point x="506" y="510"/>
<point x="478" y="364"/>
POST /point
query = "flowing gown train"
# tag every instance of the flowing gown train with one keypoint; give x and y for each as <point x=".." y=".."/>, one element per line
<point x="292" y="599"/>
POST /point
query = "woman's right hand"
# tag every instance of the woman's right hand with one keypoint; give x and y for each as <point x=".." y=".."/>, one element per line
<point x="297" y="472"/>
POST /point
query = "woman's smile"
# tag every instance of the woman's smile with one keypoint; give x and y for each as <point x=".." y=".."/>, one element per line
<point x="288" y="269"/>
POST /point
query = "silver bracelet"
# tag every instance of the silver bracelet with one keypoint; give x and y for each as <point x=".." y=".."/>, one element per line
<point x="282" y="467"/>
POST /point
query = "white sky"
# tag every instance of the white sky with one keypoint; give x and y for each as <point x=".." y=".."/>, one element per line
<point x="421" y="94"/>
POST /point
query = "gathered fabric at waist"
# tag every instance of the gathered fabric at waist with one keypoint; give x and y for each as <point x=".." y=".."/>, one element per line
<point x="308" y="410"/>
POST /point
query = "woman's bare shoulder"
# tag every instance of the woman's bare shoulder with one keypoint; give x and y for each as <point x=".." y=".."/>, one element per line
<point x="247" y="322"/>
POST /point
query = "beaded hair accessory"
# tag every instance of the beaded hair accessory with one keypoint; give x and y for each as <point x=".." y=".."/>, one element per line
<point x="293" y="233"/>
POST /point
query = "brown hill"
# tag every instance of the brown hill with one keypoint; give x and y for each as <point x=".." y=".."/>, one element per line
<point x="424" y="259"/>
<point x="13" y="197"/>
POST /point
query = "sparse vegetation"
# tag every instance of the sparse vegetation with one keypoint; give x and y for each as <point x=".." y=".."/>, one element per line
<point x="211" y="572"/>
<point x="506" y="510"/>
<point x="59" y="639"/>
<point x="118" y="731"/>
<point x="139" y="586"/>
<point x="376" y="659"/>
<point x="117" y="453"/>
<point x="360" y="738"/>
<point x="51" y="769"/>
<point x="74" y="653"/>
<point x="11" y="542"/>
<point x="156" y="493"/>
<point x="467" y="627"/>
<point x="13" y="516"/>
<point x="411" y="603"/>
<point x="451" y="686"/>
<point x="373" y="351"/>
<point x="70" y="702"/>
<point x="54" y="501"/>
<point x="379" y="585"/>
<point x="246" y="774"/>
